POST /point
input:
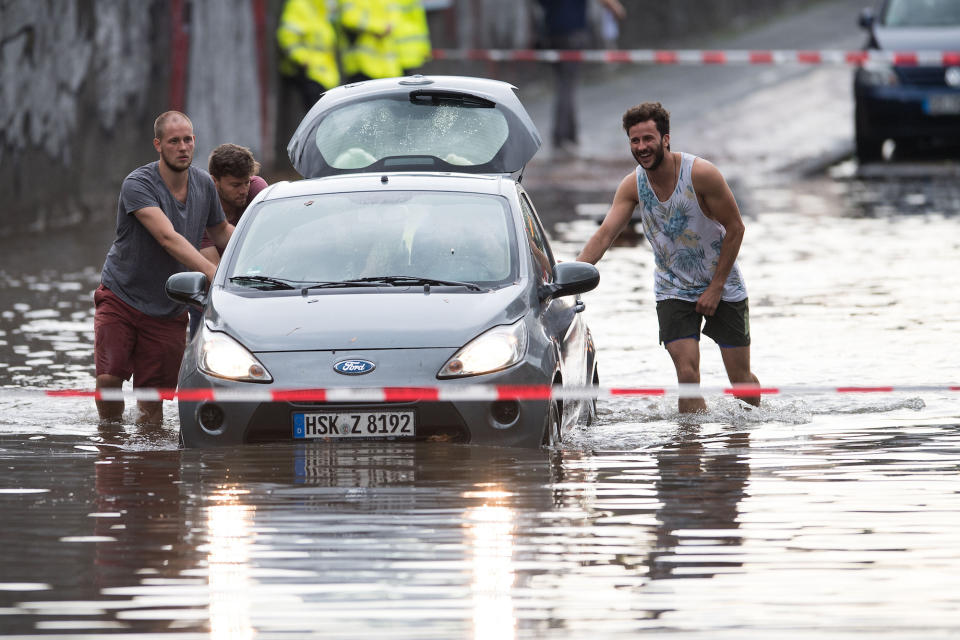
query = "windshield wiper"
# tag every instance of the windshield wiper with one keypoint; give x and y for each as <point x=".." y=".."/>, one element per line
<point x="271" y="283"/>
<point x="337" y="284"/>
<point x="414" y="280"/>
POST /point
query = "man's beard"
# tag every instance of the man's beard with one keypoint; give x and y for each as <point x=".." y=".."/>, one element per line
<point x="657" y="158"/>
<point x="174" y="167"/>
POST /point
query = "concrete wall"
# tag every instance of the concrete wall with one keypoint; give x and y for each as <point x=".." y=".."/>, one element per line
<point x="81" y="82"/>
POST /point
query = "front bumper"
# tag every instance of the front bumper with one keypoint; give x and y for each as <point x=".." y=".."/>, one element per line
<point x="906" y="111"/>
<point x="474" y="421"/>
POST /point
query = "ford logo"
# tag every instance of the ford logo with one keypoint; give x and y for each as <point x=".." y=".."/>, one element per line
<point x="354" y="367"/>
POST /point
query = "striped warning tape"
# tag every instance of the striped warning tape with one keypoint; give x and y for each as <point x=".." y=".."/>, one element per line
<point x="452" y="393"/>
<point x="707" y="57"/>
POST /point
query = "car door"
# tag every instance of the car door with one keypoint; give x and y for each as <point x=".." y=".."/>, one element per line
<point x="561" y="316"/>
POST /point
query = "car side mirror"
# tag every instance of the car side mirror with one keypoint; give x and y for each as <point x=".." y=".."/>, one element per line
<point x="866" y="18"/>
<point x="570" y="278"/>
<point x="188" y="287"/>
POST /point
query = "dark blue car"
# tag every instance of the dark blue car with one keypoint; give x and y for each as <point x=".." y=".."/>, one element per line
<point x="910" y="99"/>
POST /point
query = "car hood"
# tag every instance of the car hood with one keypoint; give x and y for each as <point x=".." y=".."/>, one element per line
<point x="401" y="318"/>
<point x="909" y="39"/>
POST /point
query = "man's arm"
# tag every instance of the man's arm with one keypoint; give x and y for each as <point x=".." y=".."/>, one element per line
<point x="159" y="226"/>
<point x="616" y="220"/>
<point x="220" y="234"/>
<point x="717" y="201"/>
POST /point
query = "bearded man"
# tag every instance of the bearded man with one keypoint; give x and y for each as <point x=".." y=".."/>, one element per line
<point x="692" y="221"/>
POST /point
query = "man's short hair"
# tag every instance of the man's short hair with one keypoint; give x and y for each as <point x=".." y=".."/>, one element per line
<point x="648" y="111"/>
<point x="164" y="118"/>
<point x="232" y="160"/>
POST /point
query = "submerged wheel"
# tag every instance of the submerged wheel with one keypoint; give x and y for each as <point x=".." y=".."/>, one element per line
<point x="869" y="145"/>
<point x="551" y="425"/>
<point x="592" y="407"/>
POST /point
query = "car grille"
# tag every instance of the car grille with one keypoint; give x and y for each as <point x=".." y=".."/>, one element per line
<point x="922" y="76"/>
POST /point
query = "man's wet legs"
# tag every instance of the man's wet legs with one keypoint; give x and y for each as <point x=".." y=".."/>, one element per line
<point x="686" y="359"/>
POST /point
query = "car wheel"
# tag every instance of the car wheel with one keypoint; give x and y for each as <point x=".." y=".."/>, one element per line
<point x="551" y="426"/>
<point x="592" y="407"/>
<point x="869" y="144"/>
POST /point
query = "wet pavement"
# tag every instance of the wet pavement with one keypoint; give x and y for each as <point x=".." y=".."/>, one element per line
<point x="813" y="516"/>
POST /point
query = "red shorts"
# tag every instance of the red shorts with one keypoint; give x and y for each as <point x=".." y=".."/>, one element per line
<point x="129" y="342"/>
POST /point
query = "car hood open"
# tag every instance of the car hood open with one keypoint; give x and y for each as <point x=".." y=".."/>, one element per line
<point x="401" y="318"/>
<point x="417" y="123"/>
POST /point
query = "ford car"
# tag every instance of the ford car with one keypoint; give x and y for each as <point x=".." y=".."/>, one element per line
<point x="409" y="256"/>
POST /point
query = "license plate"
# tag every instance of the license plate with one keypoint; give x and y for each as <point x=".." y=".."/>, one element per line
<point x="943" y="105"/>
<point x="354" y="424"/>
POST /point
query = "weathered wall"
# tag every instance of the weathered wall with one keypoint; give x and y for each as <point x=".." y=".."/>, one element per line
<point x="81" y="82"/>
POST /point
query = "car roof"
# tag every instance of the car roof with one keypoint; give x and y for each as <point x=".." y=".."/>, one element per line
<point x="431" y="123"/>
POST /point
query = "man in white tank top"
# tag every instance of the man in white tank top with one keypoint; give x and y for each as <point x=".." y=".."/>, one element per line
<point x="693" y="223"/>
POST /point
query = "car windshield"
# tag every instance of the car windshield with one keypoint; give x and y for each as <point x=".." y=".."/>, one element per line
<point x="361" y="134"/>
<point x="329" y="239"/>
<point x="922" y="13"/>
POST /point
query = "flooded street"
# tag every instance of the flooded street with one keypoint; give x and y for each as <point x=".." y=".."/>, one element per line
<point x="831" y="514"/>
<point x="822" y="515"/>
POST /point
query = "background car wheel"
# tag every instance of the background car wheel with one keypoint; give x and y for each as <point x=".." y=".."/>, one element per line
<point x="551" y="427"/>
<point x="869" y="145"/>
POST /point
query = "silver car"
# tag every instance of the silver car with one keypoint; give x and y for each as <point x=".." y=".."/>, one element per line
<point x="411" y="256"/>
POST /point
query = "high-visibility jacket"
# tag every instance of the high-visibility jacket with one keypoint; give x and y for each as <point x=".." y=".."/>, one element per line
<point x="411" y="34"/>
<point x="308" y="41"/>
<point x="367" y="45"/>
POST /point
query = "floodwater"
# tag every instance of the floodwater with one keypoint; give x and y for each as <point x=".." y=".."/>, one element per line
<point x="813" y="516"/>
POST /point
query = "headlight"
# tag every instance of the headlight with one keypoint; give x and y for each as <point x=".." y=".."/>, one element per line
<point x="878" y="75"/>
<point x="491" y="351"/>
<point x="223" y="357"/>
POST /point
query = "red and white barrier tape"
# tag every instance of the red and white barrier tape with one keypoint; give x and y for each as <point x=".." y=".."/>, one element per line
<point x="708" y="57"/>
<point x="454" y="393"/>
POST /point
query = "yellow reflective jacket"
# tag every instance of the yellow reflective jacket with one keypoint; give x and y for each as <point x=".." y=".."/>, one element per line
<point x="367" y="45"/>
<point x="411" y="35"/>
<point x="308" y="41"/>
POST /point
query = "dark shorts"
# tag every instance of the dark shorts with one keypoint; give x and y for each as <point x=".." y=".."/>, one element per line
<point x="729" y="326"/>
<point x="128" y="342"/>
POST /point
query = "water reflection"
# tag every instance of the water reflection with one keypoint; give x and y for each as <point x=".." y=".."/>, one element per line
<point x="700" y="484"/>
<point x="229" y="527"/>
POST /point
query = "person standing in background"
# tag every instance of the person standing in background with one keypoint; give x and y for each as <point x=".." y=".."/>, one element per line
<point x="308" y="42"/>
<point x="566" y="27"/>
<point x="411" y="35"/>
<point x="367" y="45"/>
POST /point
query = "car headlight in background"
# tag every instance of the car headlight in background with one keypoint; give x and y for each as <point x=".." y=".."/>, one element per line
<point x="877" y="75"/>
<point x="493" y="350"/>
<point x="223" y="357"/>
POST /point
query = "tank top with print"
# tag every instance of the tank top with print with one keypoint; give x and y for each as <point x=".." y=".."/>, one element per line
<point x="686" y="243"/>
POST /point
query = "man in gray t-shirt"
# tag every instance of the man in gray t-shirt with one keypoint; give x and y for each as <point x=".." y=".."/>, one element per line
<point x="164" y="209"/>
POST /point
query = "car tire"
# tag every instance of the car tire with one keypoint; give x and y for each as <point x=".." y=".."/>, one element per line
<point x="592" y="405"/>
<point x="869" y="144"/>
<point x="551" y="425"/>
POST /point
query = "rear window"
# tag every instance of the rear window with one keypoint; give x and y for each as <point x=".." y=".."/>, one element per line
<point x="922" y="13"/>
<point x="361" y="134"/>
<point x="336" y="237"/>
